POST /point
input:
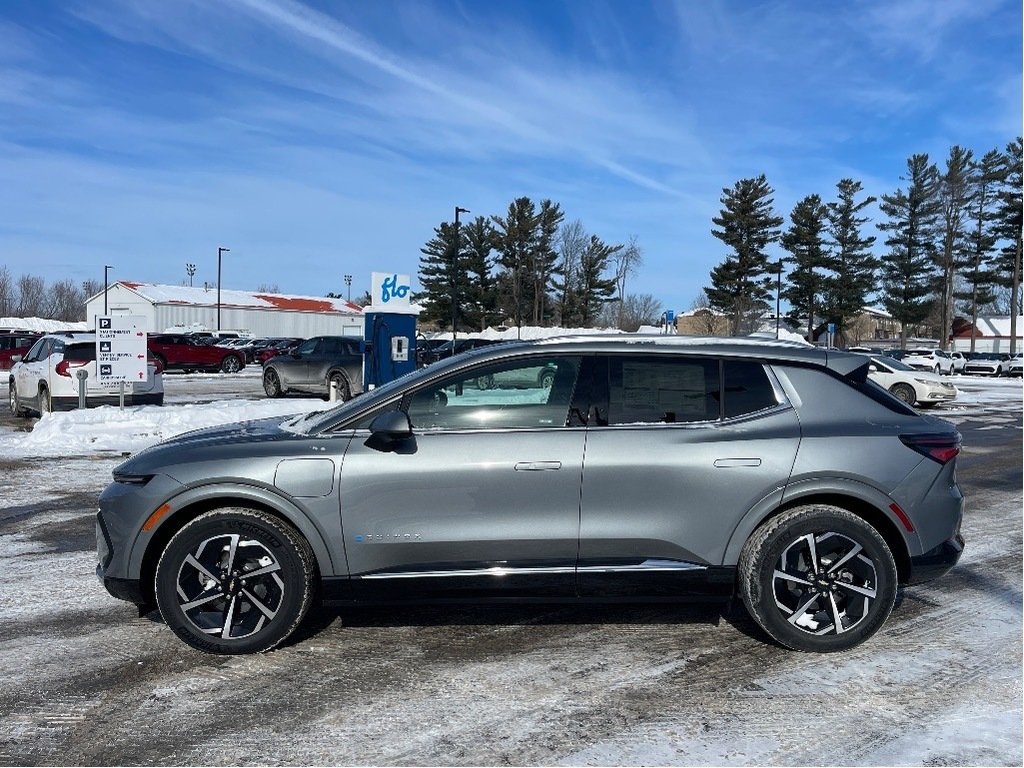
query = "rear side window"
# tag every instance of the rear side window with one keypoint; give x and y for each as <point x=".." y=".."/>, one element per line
<point x="747" y="388"/>
<point x="664" y="390"/>
<point x="83" y="352"/>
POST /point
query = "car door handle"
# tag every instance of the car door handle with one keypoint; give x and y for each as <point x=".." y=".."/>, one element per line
<point x="725" y="463"/>
<point x="537" y="466"/>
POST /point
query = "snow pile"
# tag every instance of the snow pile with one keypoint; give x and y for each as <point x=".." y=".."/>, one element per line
<point x="40" y="325"/>
<point x="108" y="428"/>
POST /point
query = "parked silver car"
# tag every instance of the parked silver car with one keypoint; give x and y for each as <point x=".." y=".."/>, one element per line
<point x="646" y="468"/>
<point x="314" y="366"/>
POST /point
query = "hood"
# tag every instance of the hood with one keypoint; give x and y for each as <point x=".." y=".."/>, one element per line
<point x="246" y="432"/>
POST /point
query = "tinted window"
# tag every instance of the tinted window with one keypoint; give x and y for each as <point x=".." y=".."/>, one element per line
<point x="307" y="347"/>
<point x="663" y="390"/>
<point x="747" y="388"/>
<point x="535" y="392"/>
<point x="84" y="352"/>
<point x="37" y="351"/>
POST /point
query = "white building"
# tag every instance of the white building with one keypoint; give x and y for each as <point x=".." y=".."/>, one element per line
<point x="176" y="307"/>
<point x="992" y="334"/>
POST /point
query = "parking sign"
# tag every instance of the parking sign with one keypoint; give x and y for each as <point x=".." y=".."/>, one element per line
<point x="120" y="349"/>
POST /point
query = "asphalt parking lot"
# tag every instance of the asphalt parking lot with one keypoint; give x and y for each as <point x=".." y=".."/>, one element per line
<point x="88" y="681"/>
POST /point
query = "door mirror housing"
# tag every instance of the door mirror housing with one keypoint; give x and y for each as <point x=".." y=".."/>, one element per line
<point x="15" y="359"/>
<point x="389" y="431"/>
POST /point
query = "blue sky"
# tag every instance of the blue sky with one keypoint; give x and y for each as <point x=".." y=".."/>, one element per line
<point x="321" y="139"/>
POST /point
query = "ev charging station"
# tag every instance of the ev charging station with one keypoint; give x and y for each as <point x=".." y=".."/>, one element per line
<point x="389" y="331"/>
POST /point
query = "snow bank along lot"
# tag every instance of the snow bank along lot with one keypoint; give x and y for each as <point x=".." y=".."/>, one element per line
<point x="87" y="681"/>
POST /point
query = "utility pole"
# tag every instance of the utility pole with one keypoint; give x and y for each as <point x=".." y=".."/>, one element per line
<point x="455" y="273"/>
<point x="220" y="251"/>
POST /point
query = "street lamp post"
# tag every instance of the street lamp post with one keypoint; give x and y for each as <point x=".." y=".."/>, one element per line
<point x="455" y="273"/>
<point x="191" y="269"/>
<point x="778" y="299"/>
<point x="348" y="285"/>
<point x="106" y="269"/>
<point x="220" y="251"/>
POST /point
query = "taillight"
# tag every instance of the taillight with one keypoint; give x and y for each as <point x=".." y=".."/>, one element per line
<point x="157" y="364"/>
<point x="64" y="366"/>
<point x="941" y="448"/>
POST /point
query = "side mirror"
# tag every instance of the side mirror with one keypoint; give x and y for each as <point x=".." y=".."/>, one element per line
<point x="389" y="430"/>
<point x="872" y="369"/>
<point x="15" y="359"/>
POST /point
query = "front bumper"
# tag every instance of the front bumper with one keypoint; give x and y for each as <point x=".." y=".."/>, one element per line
<point x="936" y="562"/>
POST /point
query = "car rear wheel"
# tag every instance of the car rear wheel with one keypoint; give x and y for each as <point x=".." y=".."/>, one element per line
<point x="904" y="392"/>
<point x="45" y="404"/>
<point x="818" y="578"/>
<point x="235" y="580"/>
<point x="338" y="380"/>
<point x="231" y="364"/>
<point x="271" y="383"/>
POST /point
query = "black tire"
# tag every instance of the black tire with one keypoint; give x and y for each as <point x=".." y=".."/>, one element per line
<point x="937" y="370"/>
<point x="14" y="402"/>
<point x="231" y="364"/>
<point x="904" y="392"/>
<point x="344" y="390"/>
<point x="272" y="383"/>
<point x="547" y="378"/>
<point x="793" y="602"/>
<point x="201" y="581"/>
<point x="45" y="404"/>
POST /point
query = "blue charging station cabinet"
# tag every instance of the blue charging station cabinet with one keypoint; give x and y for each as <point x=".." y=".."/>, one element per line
<point x="389" y="346"/>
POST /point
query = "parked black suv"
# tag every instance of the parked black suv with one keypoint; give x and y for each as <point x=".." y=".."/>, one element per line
<point x="314" y="365"/>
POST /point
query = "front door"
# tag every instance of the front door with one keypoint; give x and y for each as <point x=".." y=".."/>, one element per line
<point x="483" y="499"/>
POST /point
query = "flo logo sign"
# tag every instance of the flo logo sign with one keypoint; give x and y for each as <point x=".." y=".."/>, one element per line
<point x="390" y="289"/>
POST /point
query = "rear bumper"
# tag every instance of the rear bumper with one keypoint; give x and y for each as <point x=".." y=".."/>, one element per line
<point x="71" y="403"/>
<point x="936" y="562"/>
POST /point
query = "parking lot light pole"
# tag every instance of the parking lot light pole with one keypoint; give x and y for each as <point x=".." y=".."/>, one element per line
<point x="348" y="285"/>
<point x="220" y="252"/>
<point x="106" y="269"/>
<point x="191" y="269"/>
<point x="455" y="274"/>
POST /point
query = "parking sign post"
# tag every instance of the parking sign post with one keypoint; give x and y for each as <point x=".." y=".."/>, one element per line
<point x="120" y="351"/>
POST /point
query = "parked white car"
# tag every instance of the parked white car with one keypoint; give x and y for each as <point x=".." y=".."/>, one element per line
<point x="959" y="361"/>
<point x="46" y="379"/>
<point x="1016" y="366"/>
<point x="909" y="384"/>
<point x="987" y="364"/>
<point x="934" y="360"/>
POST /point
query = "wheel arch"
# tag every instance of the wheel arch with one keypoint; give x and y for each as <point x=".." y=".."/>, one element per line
<point x="870" y="511"/>
<point x="188" y="506"/>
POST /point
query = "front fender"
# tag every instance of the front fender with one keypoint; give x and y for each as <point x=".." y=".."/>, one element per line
<point x="233" y="493"/>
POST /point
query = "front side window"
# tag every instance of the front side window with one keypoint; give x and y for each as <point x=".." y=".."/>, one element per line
<point x="519" y="394"/>
<point x="36" y="353"/>
<point x="306" y="348"/>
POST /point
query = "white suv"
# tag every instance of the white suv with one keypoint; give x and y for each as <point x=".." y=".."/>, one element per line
<point x="46" y="378"/>
<point x="934" y="360"/>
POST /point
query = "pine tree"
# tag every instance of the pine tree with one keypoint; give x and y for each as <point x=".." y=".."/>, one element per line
<point x="805" y="242"/>
<point x="544" y="258"/>
<point x="852" y="266"/>
<point x="480" y="289"/>
<point x="955" y="190"/>
<point x="740" y="284"/>
<point x="592" y="290"/>
<point x="1009" y="229"/>
<point x="439" y="276"/>
<point x="517" y="238"/>
<point x="975" y="259"/>
<point x="907" y="271"/>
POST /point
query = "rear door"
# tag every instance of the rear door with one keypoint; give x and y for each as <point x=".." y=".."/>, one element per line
<point x="681" y="448"/>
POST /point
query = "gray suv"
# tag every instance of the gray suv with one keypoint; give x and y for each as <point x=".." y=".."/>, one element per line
<point x="646" y="468"/>
<point x="314" y="366"/>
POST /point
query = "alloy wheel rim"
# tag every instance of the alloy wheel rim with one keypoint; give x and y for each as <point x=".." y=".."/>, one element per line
<point x="230" y="587"/>
<point x="825" y="583"/>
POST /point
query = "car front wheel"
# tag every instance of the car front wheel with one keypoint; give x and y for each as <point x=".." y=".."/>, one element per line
<point x="339" y="381"/>
<point x="818" y="578"/>
<point x="904" y="392"/>
<point x="14" y="401"/>
<point x="235" y="580"/>
<point x="45" y="404"/>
